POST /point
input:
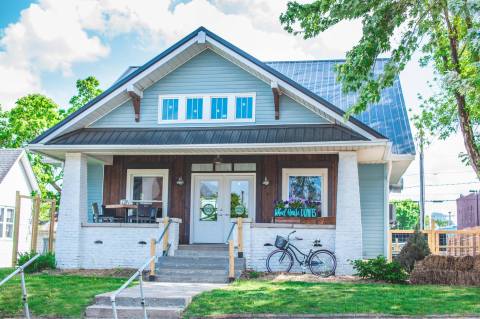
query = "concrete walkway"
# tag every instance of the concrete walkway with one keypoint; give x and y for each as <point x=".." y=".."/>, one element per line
<point x="163" y="300"/>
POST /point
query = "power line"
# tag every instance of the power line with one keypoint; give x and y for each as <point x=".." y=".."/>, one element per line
<point x="447" y="184"/>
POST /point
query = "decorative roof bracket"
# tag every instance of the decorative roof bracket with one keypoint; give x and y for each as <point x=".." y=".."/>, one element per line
<point x="136" y="95"/>
<point x="276" y="99"/>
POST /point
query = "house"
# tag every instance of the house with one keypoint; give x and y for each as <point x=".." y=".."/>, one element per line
<point x="205" y="131"/>
<point x="15" y="175"/>
<point x="468" y="213"/>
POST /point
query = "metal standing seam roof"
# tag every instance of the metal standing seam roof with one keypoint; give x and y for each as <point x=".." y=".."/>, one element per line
<point x="8" y="157"/>
<point x="274" y="134"/>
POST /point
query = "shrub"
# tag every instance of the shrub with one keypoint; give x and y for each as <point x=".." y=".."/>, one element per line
<point x="45" y="261"/>
<point x="414" y="250"/>
<point x="379" y="269"/>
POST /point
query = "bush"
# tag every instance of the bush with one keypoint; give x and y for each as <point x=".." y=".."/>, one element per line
<point x="45" y="261"/>
<point x="415" y="249"/>
<point x="379" y="269"/>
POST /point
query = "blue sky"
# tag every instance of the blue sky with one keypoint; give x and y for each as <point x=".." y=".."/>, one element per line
<point x="46" y="45"/>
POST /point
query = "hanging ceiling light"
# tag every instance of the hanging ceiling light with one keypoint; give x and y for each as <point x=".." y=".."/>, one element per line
<point x="217" y="160"/>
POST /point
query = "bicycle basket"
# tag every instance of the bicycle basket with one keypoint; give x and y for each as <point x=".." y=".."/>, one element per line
<point x="280" y="242"/>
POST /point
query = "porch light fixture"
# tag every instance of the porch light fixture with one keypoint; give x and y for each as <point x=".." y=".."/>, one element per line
<point x="266" y="182"/>
<point x="217" y="160"/>
<point x="180" y="181"/>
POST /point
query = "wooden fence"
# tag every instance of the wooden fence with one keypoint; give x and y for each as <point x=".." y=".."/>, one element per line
<point x="441" y="242"/>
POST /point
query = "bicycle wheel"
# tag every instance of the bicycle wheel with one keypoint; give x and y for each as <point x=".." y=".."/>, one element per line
<point x="279" y="261"/>
<point x="322" y="263"/>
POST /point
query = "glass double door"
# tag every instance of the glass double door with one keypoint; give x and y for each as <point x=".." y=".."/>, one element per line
<point x="217" y="198"/>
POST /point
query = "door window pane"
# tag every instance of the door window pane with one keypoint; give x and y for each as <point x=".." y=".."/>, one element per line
<point x="206" y="167"/>
<point x="245" y="167"/>
<point x="306" y="188"/>
<point x="223" y="167"/>
<point x="194" y="108"/>
<point x="239" y="197"/>
<point x="170" y="109"/>
<point x="147" y="188"/>
<point x="219" y="108"/>
<point x="208" y="200"/>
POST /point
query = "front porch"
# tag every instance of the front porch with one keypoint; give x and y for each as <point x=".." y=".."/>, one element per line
<point x="202" y="194"/>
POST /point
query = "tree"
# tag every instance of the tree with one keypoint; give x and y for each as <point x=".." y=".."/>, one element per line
<point x="415" y="249"/>
<point x="31" y="116"/>
<point x="408" y="213"/>
<point x="87" y="89"/>
<point x="444" y="31"/>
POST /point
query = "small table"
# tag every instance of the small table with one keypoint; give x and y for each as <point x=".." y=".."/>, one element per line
<point x="122" y="206"/>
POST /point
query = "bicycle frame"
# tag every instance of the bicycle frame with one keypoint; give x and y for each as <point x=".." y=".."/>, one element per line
<point x="292" y="248"/>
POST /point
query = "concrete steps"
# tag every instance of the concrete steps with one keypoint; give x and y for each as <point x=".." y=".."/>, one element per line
<point x="163" y="300"/>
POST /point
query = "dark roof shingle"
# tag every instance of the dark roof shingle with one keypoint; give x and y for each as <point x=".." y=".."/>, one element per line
<point x="8" y="157"/>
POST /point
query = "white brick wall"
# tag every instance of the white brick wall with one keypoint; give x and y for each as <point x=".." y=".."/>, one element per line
<point x="73" y="208"/>
<point x="348" y="235"/>
<point x="258" y="234"/>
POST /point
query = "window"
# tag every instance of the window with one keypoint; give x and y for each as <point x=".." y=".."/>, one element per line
<point x="6" y="222"/>
<point x="169" y="109"/>
<point x="219" y="108"/>
<point x="244" y="107"/>
<point x="307" y="184"/>
<point x="148" y="186"/>
<point x="194" y="108"/>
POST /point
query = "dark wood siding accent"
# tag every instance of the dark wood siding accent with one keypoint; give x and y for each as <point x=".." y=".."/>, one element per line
<point x="269" y="166"/>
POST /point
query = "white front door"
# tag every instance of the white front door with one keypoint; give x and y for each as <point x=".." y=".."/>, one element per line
<point x="215" y="199"/>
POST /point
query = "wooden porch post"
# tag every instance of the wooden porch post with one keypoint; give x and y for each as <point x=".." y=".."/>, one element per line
<point x="240" y="236"/>
<point x="231" y="261"/>
<point x="51" y="227"/>
<point x="16" y="228"/>
<point x="153" y="247"/>
<point x="389" y="243"/>
<point x="35" y="217"/>
<point x="165" y="237"/>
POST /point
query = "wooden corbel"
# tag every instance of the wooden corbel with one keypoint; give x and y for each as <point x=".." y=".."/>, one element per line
<point x="276" y="99"/>
<point x="136" y="95"/>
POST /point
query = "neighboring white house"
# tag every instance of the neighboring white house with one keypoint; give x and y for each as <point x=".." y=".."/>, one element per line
<point x="15" y="175"/>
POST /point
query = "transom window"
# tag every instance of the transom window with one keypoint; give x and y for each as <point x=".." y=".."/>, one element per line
<point x="244" y="107"/>
<point x="308" y="185"/>
<point x="206" y="107"/>
<point x="219" y="108"/>
<point x="194" y="108"/>
<point x="148" y="186"/>
<point x="6" y="222"/>
<point x="169" y="109"/>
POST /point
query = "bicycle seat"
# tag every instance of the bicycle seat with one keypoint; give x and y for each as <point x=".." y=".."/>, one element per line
<point x="298" y="238"/>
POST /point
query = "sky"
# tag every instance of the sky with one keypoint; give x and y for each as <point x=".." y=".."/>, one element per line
<point x="46" y="45"/>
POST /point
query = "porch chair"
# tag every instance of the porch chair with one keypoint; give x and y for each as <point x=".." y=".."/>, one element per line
<point x="108" y="215"/>
<point x="145" y="214"/>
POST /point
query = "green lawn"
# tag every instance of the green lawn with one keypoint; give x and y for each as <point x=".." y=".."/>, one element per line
<point x="53" y="295"/>
<point x="326" y="298"/>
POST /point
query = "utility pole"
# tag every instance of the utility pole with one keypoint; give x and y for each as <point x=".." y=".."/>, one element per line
<point x="422" y="183"/>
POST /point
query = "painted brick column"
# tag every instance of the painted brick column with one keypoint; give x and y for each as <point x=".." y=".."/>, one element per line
<point x="73" y="211"/>
<point x="348" y="234"/>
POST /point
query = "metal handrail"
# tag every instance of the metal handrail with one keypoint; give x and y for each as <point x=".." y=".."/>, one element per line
<point x="20" y="270"/>
<point x="230" y="232"/>
<point x="139" y="274"/>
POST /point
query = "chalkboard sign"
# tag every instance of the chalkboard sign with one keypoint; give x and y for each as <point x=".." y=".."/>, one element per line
<point x="296" y="212"/>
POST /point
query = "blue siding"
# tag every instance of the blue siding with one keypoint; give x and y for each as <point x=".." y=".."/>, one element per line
<point x="94" y="187"/>
<point x="372" y="197"/>
<point x="209" y="73"/>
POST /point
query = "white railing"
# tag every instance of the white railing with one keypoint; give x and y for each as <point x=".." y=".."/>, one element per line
<point x="20" y="270"/>
<point x="139" y="274"/>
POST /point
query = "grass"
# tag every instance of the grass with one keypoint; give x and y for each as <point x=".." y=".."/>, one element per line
<point x="258" y="297"/>
<point x="53" y="295"/>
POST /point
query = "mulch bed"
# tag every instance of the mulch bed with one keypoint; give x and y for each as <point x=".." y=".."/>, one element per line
<point x="114" y="273"/>
<point x="447" y="270"/>
<point x="279" y="277"/>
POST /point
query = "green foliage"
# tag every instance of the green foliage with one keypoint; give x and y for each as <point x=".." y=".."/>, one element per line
<point x="445" y="32"/>
<point x="32" y="115"/>
<point x="45" y="261"/>
<point x="87" y="89"/>
<point x="408" y="213"/>
<point x="379" y="269"/>
<point x="414" y="250"/>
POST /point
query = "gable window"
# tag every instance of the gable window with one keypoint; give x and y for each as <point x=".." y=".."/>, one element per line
<point x="244" y="107"/>
<point x="308" y="185"/>
<point x="194" y="108"/>
<point x="219" y="108"/>
<point x="6" y="222"/>
<point x="148" y="186"/>
<point x="170" y="109"/>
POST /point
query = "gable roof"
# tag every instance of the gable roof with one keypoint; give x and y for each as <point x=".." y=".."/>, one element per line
<point x="388" y="116"/>
<point x="8" y="157"/>
<point x="201" y="34"/>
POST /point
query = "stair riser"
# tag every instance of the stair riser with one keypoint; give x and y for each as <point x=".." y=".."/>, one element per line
<point x="200" y="253"/>
<point x="188" y="279"/>
<point x="93" y="312"/>
<point x="223" y="248"/>
<point x="150" y="302"/>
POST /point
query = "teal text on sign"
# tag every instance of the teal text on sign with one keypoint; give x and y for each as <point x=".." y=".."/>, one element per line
<point x="296" y="212"/>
